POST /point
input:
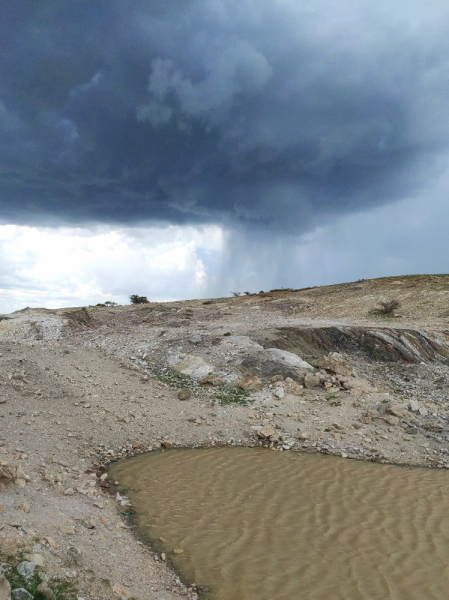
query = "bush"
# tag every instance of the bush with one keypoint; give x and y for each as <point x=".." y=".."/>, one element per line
<point x="387" y="307"/>
<point x="135" y="299"/>
<point x="235" y="294"/>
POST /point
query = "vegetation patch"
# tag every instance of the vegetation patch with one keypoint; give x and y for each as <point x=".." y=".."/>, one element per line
<point x="172" y="377"/>
<point x="62" y="589"/>
<point x="228" y="395"/>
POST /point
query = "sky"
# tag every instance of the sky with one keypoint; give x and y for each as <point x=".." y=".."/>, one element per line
<point x="190" y="148"/>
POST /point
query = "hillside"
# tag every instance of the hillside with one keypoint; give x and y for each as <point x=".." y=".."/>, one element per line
<point x="81" y="386"/>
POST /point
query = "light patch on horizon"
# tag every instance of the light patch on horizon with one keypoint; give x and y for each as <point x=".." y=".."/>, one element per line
<point x="51" y="268"/>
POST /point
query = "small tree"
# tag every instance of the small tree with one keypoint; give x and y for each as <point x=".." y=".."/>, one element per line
<point x="109" y="303"/>
<point x="235" y="294"/>
<point x="135" y="299"/>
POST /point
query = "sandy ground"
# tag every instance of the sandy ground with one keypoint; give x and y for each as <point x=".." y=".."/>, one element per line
<point x="80" y="387"/>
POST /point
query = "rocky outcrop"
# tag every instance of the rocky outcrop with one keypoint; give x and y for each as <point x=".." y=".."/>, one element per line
<point x="384" y="344"/>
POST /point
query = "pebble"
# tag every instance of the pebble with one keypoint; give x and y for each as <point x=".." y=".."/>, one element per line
<point x="184" y="394"/>
<point x="414" y="405"/>
<point x="67" y="529"/>
<point x="89" y="523"/>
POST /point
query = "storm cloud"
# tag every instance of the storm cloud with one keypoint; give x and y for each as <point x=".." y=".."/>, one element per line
<point x="274" y="115"/>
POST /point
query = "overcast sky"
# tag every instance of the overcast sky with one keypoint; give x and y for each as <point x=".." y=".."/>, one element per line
<point x="190" y="148"/>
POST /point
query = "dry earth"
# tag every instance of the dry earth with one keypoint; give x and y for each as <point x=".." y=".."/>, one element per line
<point x="80" y="387"/>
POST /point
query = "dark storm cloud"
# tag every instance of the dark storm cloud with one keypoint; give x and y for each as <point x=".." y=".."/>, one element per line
<point x="270" y="113"/>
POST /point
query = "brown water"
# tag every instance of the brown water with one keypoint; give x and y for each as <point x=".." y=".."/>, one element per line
<point x="260" y="525"/>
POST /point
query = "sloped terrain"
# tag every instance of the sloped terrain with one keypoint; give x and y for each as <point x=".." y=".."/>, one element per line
<point x="82" y="386"/>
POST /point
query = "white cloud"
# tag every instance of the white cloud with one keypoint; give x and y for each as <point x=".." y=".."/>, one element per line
<point x="80" y="266"/>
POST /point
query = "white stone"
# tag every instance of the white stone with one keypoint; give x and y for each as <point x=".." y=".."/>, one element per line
<point x="414" y="405"/>
<point x="279" y="393"/>
<point x="194" y="366"/>
<point x="289" y="358"/>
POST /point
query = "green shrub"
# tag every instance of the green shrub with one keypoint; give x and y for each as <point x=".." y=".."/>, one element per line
<point x="135" y="299"/>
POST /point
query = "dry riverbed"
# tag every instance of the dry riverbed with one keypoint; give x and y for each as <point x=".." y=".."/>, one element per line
<point x="81" y="387"/>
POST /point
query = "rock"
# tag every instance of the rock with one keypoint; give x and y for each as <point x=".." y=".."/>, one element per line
<point x="51" y="542"/>
<point x="184" y="394"/>
<point x="69" y="492"/>
<point x="304" y="435"/>
<point x="414" y="405"/>
<point x="19" y="475"/>
<point x="334" y="364"/>
<point x="266" y="431"/>
<point x="411" y="430"/>
<point x="373" y="414"/>
<point x="5" y="473"/>
<point x="21" y="594"/>
<point x="67" y="529"/>
<point x="103" y="477"/>
<point x="277" y="378"/>
<point x="194" y="366"/>
<point x="89" y="523"/>
<point x="312" y="380"/>
<point x="391" y="419"/>
<point x="74" y="556"/>
<point x="5" y="588"/>
<point x="288" y="358"/>
<point x="2" y="400"/>
<point x="167" y="444"/>
<point x="25" y="507"/>
<point x="26" y="568"/>
<point x="293" y="388"/>
<point x="37" y="559"/>
<point x="214" y="380"/>
<point x="395" y="410"/>
<point x="178" y="551"/>
<point x="279" y="393"/>
<point x="45" y="590"/>
<point x="433" y="425"/>
<point x="195" y="339"/>
<point x="423" y="411"/>
<point x="121" y="591"/>
<point x="365" y="420"/>
<point x="250" y="383"/>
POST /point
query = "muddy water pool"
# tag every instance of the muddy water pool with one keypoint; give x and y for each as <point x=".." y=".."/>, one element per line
<point x="254" y="524"/>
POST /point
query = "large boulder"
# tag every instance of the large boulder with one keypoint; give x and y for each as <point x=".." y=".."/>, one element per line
<point x="334" y="363"/>
<point x="288" y="358"/>
<point x="274" y="362"/>
<point x="194" y="366"/>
